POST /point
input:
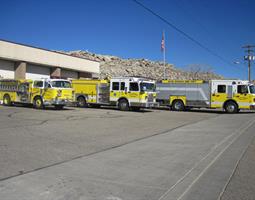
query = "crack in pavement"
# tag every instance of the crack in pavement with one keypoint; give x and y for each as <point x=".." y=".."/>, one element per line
<point x="11" y="114"/>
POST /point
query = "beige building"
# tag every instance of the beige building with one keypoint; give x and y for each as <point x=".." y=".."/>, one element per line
<point x="26" y="62"/>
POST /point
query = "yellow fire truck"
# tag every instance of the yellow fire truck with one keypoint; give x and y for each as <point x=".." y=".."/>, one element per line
<point x="40" y="93"/>
<point x="230" y="95"/>
<point x="124" y="92"/>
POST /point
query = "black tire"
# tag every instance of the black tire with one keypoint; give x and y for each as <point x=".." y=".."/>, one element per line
<point x="81" y="102"/>
<point x="231" y="107"/>
<point x="123" y="105"/>
<point x="178" y="105"/>
<point x="7" y="100"/>
<point x="59" y="107"/>
<point x="38" y="103"/>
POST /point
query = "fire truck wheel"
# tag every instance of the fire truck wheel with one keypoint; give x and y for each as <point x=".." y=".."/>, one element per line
<point x="231" y="107"/>
<point x="38" y="103"/>
<point x="7" y="100"/>
<point x="81" y="102"/>
<point x="123" y="105"/>
<point x="178" y="105"/>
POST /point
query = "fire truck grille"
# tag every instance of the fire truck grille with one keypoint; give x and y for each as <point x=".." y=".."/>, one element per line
<point x="150" y="97"/>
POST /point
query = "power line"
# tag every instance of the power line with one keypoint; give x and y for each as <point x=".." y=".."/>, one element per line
<point x="183" y="33"/>
<point x="179" y="4"/>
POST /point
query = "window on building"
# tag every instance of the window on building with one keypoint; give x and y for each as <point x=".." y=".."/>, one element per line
<point x="242" y="89"/>
<point x="38" y="84"/>
<point x="115" y="85"/>
<point x="221" y="88"/>
<point x="122" y="86"/>
<point x="133" y="87"/>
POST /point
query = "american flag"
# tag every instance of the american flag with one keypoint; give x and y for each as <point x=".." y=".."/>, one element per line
<point x="163" y="42"/>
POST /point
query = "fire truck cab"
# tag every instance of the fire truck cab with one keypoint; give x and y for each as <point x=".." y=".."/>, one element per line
<point x="132" y="92"/>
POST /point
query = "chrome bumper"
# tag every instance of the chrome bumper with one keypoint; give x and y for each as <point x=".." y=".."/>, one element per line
<point x="64" y="102"/>
<point x="151" y="105"/>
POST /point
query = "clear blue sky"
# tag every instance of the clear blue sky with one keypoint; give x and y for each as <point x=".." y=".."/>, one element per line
<point x="122" y="28"/>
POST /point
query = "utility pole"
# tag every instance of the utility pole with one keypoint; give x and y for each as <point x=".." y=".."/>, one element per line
<point x="249" y="58"/>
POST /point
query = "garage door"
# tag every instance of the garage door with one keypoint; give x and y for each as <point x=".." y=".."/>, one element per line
<point x="69" y="74"/>
<point x="6" y="69"/>
<point x="37" y="72"/>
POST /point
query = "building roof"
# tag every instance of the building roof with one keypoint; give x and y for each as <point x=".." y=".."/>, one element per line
<point x="20" y="52"/>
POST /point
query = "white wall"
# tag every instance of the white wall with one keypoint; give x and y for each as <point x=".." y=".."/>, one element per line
<point x="6" y="69"/>
<point x="69" y="74"/>
<point x="37" y="72"/>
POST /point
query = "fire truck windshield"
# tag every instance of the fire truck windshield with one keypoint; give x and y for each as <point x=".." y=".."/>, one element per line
<point x="61" y="84"/>
<point x="147" y="87"/>
<point x="252" y="89"/>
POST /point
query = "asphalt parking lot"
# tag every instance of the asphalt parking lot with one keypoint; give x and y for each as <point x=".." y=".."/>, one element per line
<point x="32" y="139"/>
<point x="108" y="154"/>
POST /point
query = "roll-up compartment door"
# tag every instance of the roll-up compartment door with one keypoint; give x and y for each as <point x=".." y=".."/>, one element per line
<point x="6" y="69"/>
<point x="69" y="74"/>
<point x="37" y="72"/>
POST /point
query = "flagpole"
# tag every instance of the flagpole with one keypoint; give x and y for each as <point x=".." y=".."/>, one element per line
<point x="164" y="55"/>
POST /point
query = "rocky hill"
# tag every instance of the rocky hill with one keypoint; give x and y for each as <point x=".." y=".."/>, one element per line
<point x="111" y="66"/>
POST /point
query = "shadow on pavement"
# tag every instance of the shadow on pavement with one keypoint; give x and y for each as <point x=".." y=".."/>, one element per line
<point x="30" y="106"/>
<point x="208" y="111"/>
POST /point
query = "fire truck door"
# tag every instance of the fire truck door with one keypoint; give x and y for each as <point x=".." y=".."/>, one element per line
<point x="218" y="95"/>
<point x="124" y="89"/>
<point x="114" y="91"/>
<point x="134" y="92"/>
<point x="242" y="96"/>
<point x="37" y="87"/>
